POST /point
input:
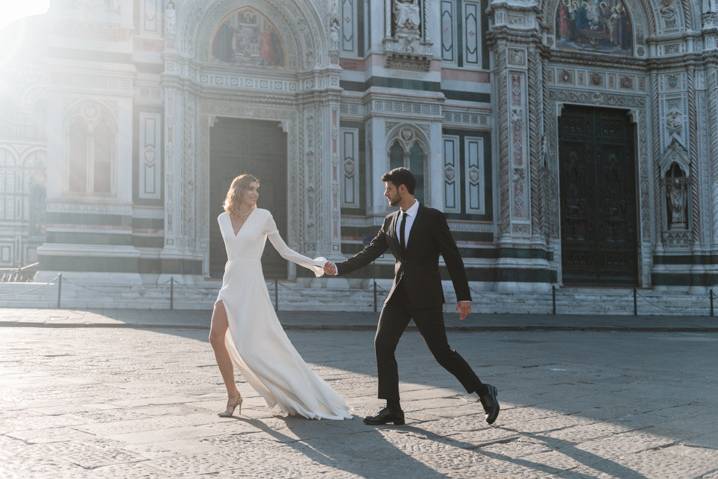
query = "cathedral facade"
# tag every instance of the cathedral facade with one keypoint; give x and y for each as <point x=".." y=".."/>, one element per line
<point x="569" y="142"/>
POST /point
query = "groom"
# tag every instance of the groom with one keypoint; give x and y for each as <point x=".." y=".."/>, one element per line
<point x="416" y="235"/>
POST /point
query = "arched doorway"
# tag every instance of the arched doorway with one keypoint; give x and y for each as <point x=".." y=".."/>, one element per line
<point x="248" y="146"/>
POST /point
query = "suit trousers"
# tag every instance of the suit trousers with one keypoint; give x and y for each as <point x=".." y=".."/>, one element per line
<point x="394" y="318"/>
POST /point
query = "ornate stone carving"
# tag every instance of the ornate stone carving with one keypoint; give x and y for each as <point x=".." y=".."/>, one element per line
<point x="669" y="14"/>
<point x="596" y="79"/>
<point x="677" y="199"/>
<point x="597" y="98"/>
<point x="517" y="57"/>
<point x="709" y="13"/>
<point x="407" y="19"/>
<point x="170" y="18"/>
<point x="406" y="49"/>
<point x="674" y="123"/>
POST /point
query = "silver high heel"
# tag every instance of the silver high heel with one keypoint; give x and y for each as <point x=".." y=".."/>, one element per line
<point x="232" y="403"/>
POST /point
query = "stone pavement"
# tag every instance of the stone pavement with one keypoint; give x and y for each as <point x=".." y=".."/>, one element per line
<point x="355" y="321"/>
<point x="129" y="400"/>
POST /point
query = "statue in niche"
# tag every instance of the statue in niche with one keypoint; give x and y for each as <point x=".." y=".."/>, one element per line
<point x="676" y="198"/>
<point x="407" y="17"/>
<point x="170" y="18"/>
<point x="334" y="32"/>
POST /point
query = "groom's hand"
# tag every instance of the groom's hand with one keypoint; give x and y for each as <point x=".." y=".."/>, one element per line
<point x="464" y="309"/>
<point x="330" y="268"/>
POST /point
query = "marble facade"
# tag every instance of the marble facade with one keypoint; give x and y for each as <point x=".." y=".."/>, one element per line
<point x="470" y="92"/>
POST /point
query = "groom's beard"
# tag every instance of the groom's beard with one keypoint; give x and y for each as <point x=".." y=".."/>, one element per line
<point x="394" y="200"/>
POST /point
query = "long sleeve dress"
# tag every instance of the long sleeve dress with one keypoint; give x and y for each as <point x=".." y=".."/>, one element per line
<point x="256" y="342"/>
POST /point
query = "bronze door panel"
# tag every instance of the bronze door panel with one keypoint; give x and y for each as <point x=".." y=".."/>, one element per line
<point x="598" y="197"/>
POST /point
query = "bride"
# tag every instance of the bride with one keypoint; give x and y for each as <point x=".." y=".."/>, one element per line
<point x="256" y="344"/>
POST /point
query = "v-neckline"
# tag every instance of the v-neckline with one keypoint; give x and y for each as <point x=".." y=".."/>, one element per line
<point x="231" y="226"/>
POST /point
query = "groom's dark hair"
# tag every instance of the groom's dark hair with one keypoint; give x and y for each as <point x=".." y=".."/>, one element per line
<point x="401" y="176"/>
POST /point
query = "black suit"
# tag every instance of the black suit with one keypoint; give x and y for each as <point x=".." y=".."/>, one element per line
<point x="416" y="294"/>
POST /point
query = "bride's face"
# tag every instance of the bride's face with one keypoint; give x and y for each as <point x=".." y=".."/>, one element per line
<point x="250" y="195"/>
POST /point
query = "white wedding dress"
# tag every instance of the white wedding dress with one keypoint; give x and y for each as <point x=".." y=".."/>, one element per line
<point x="256" y="342"/>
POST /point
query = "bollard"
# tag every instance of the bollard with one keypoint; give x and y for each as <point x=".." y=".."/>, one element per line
<point x="553" y="299"/>
<point x="375" y="295"/>
<point x="276" y="295"/>
<point x="59" y="290"/>
<point x="635" y="302"/>
<point x="172" y="293"/>
<point x="711" y="291"/>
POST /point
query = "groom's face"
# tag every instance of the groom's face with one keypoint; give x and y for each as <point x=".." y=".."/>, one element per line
<point x="391" y="192"/>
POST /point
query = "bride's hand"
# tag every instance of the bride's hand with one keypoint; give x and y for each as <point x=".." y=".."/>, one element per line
<point x="330" y="268"/>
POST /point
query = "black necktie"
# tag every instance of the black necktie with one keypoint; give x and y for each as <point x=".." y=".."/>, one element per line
<point x="402" y="230"/>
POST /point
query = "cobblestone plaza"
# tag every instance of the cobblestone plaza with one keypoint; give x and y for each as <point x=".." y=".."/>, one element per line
<point x="139" y="402"/>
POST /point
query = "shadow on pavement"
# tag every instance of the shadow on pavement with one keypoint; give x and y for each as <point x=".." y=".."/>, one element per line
<point x="366" y="442"/>
<point x="566" y="448"/>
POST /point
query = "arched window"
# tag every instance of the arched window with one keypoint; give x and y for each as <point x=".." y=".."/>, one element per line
<point x="406" y="151"/>
<point x="35" y="193"/>
<point x="10" y="208"/>
<point x="416" y="165"/>
<point x="103" y="159"/>
<point x="396" y="156"/>
<point x="78" y="156"/>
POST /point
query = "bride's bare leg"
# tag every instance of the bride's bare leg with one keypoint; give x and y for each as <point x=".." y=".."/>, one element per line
<point x="217" y="331"/>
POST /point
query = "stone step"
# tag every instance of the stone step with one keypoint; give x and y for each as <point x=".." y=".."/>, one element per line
<point x="308" y="295"/>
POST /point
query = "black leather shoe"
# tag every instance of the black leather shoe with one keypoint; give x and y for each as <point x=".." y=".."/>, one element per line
<point x="490" y="403"/>
<point x="386" y="416"/>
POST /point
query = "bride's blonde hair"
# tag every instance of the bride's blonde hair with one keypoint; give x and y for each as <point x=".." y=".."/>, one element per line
<point x="234" y="195"/>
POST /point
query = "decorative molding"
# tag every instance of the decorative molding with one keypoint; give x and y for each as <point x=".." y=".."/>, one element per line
<point x="475" y="177"/>
<point x="452" y="174"/>
<point x="149" y="156"/>
<point x="351" y="177"/>
<point x="403" y="108"/>
<point x="467" y="118"/>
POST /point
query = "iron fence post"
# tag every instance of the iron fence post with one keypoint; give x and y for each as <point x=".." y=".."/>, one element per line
<point x="59" y="290"/>
<point x="635" y="302"/>
<point x="553" y="299"/>
<point x="172" y="293"/>
<point x="711" y="295"/>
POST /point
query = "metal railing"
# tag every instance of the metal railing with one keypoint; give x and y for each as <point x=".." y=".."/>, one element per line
<point x="22" y="274"/>
<point x="636" y="302"/>
<point x="707" y="299"/>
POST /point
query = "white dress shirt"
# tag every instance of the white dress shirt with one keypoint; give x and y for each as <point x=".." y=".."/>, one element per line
<point x="411" y="214"/>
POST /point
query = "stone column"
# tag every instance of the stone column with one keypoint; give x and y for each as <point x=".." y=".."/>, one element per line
<point x="378" y="165"/>
<point x="181" y="254"/>
<point x="712" y="86"/>
<point x="328" y="179"/>
<point x="435" y="181"/>
<point x="514" y="40"/>
<point x="173" y="106"/>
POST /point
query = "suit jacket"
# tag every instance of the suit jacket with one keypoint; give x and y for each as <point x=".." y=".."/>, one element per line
<point x="417" y="266"/>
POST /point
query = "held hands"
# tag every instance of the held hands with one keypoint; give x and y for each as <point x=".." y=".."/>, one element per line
<point x="463" y="308"/>
<point x="330" y="269"/>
